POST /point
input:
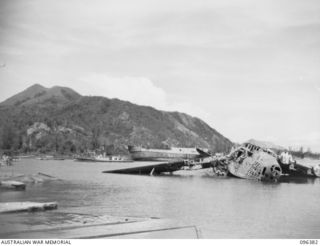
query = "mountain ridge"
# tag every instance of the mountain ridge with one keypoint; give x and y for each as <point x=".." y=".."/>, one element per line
<point x="38" y="93"/>
<point x="79" y="123"/>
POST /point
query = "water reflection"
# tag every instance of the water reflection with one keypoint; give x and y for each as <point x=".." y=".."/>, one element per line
<point x="300" y="180"/>
<point x="221" y="207"/>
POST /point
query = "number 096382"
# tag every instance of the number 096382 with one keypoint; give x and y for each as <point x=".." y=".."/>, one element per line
<point x="309" y="242"/>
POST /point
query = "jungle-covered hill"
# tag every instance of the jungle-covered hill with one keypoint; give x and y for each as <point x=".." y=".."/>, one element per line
<point x="58" y="119"/>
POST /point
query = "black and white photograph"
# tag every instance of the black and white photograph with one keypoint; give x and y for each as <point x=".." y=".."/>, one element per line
<point x="159" y="119"/>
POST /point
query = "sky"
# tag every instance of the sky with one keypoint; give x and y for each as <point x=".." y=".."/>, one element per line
<point x="249" y="68"/>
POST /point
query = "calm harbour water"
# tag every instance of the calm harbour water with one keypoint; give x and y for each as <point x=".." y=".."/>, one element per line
<point x="220" y="207"/>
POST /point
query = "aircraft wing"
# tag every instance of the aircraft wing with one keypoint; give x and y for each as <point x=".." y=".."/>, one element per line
<point x="151" y="168"/>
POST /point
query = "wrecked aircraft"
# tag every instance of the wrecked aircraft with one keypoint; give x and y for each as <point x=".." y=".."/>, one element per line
<point x="247" y="161"/>
<point x="253" y="162"/>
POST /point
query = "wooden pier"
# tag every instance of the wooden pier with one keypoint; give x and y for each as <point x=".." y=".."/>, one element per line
<point x="149" y="228"/>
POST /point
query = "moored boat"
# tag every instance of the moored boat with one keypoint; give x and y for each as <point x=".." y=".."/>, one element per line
<point x="50" y="158"/>
<point x="104" y="158"/>
<point x="144" y="154"/>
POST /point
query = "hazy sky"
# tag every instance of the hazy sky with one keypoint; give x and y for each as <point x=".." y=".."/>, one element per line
<point x="250" y="68"/>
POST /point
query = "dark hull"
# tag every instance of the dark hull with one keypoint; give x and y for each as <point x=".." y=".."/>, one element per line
<point x="298" y="170"/>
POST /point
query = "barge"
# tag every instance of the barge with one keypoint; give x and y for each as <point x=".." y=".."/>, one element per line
<point x="144" y="154"/>
<point x="104" y="158"/>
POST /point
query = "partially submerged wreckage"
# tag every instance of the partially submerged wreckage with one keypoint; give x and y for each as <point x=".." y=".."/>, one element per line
<point x="252" y="162"/>
<point x="248" y="161"/>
